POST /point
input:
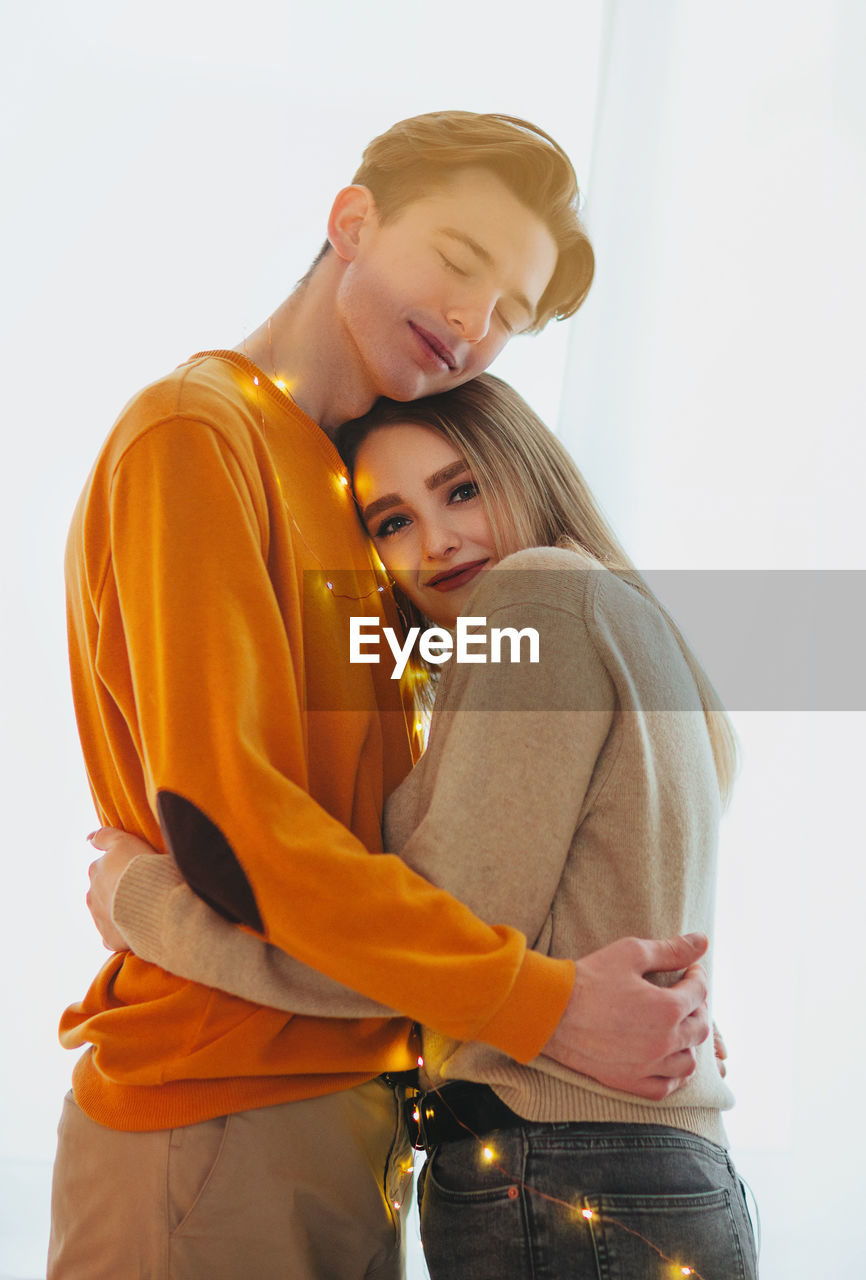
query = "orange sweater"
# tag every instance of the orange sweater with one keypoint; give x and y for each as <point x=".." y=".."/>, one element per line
<point x="221" y="719"/>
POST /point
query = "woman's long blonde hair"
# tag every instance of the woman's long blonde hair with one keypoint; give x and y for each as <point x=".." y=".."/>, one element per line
<point x="535" y="496"/>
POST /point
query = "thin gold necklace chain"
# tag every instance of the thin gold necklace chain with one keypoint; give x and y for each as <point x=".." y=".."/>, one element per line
<point x="378" y="590"/>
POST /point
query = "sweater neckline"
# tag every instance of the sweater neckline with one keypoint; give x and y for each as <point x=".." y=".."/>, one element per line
<point x="280" y="400"/>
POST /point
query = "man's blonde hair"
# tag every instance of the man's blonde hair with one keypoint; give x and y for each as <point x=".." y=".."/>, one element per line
<point x="417" y="156"/>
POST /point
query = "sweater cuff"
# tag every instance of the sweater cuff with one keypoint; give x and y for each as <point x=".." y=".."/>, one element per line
<point x="524" y="1023"/>
<point x="140" y="899"/>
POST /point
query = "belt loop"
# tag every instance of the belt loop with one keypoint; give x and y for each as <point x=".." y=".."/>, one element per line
<point x="413" y="1104"/>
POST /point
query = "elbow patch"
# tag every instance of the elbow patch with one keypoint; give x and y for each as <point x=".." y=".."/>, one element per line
<point x="206" y="860"/>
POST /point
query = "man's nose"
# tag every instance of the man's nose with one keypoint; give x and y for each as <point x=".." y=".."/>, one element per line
<point x="471" y="317"/>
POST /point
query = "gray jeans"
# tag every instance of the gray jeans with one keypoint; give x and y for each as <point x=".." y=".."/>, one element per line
<point x="587" y="1202"/>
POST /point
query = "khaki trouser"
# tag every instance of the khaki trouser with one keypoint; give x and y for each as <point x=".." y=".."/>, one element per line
<point x="301" y="1191"/>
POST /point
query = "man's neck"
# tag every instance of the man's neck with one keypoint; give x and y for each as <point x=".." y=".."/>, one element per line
<point x="305" y="345"/>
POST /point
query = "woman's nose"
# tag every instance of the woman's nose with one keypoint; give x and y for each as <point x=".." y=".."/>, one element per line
<point x="440" y="540"/>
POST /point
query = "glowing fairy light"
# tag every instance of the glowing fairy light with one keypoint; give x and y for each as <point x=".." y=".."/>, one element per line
<point x="488" y="1154"/>
<point x="341" y="479"/>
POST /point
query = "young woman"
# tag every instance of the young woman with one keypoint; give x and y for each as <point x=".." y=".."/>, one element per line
<point x="576" y="797"/>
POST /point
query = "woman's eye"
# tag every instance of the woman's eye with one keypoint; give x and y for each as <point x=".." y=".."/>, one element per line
<point x="392" y="525"/>
<point x="452" y="266"/>
<point x="468" y="489"/>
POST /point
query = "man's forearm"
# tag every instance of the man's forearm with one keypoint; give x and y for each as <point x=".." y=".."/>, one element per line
<point x="166" y="923"/>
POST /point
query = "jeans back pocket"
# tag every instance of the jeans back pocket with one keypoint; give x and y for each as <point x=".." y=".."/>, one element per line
<point x="657" y="1237"/>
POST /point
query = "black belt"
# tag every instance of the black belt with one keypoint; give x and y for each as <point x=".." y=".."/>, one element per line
<point x="461" y="1109"/>
<point x="406" y="1079"/>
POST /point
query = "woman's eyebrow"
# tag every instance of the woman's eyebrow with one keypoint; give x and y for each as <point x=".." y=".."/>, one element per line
<point x="381" y="504"/>
<point x="444" y="474"/>
<point x="438" y="478"/>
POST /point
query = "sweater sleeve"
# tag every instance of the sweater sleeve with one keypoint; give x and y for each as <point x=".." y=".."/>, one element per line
<point x="533" y="765"/>
<point x="167" y="924"/>
<point x="218" y="712"/>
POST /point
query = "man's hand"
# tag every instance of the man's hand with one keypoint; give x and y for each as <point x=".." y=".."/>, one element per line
<point x="628" y="1033"/>
<point x="119" y="850"/>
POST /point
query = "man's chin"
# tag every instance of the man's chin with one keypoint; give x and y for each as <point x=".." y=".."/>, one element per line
<point x="404" y="388"/>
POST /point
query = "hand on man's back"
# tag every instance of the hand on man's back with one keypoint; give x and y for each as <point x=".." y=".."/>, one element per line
<point x="625" y="1031"/>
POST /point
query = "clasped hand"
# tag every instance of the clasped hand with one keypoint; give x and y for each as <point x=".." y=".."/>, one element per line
<point x="618" y="1027"/>
<point x="629" y="1033"/>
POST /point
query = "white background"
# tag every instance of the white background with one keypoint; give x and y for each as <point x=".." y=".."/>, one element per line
<point x="167" y="171"/>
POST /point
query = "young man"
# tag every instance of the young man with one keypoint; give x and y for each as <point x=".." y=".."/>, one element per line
<point x="213" y="564"/>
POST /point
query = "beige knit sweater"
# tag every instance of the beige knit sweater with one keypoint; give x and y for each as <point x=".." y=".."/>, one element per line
<point x="575" y="799"/>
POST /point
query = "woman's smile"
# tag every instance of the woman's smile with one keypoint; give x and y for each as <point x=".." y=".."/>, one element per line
<point x="423" y="510"/>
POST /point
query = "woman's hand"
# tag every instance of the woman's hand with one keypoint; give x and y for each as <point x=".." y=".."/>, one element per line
<point x="118" y="850"/>
<point x="721" y="1051"/>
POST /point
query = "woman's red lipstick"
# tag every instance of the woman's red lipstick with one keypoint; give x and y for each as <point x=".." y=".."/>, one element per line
<point x="451" y="579"/>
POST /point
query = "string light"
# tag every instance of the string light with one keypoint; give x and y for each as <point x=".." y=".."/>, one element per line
<point x="488" y="1153"/>
<point x="341" y="479"/>
<point x="589" y="1215"/>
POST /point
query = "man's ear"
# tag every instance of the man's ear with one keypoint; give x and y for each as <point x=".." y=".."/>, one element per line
<point x="353" y="209"/>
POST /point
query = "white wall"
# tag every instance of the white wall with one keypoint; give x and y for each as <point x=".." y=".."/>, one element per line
<point x="715" y="398"/>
